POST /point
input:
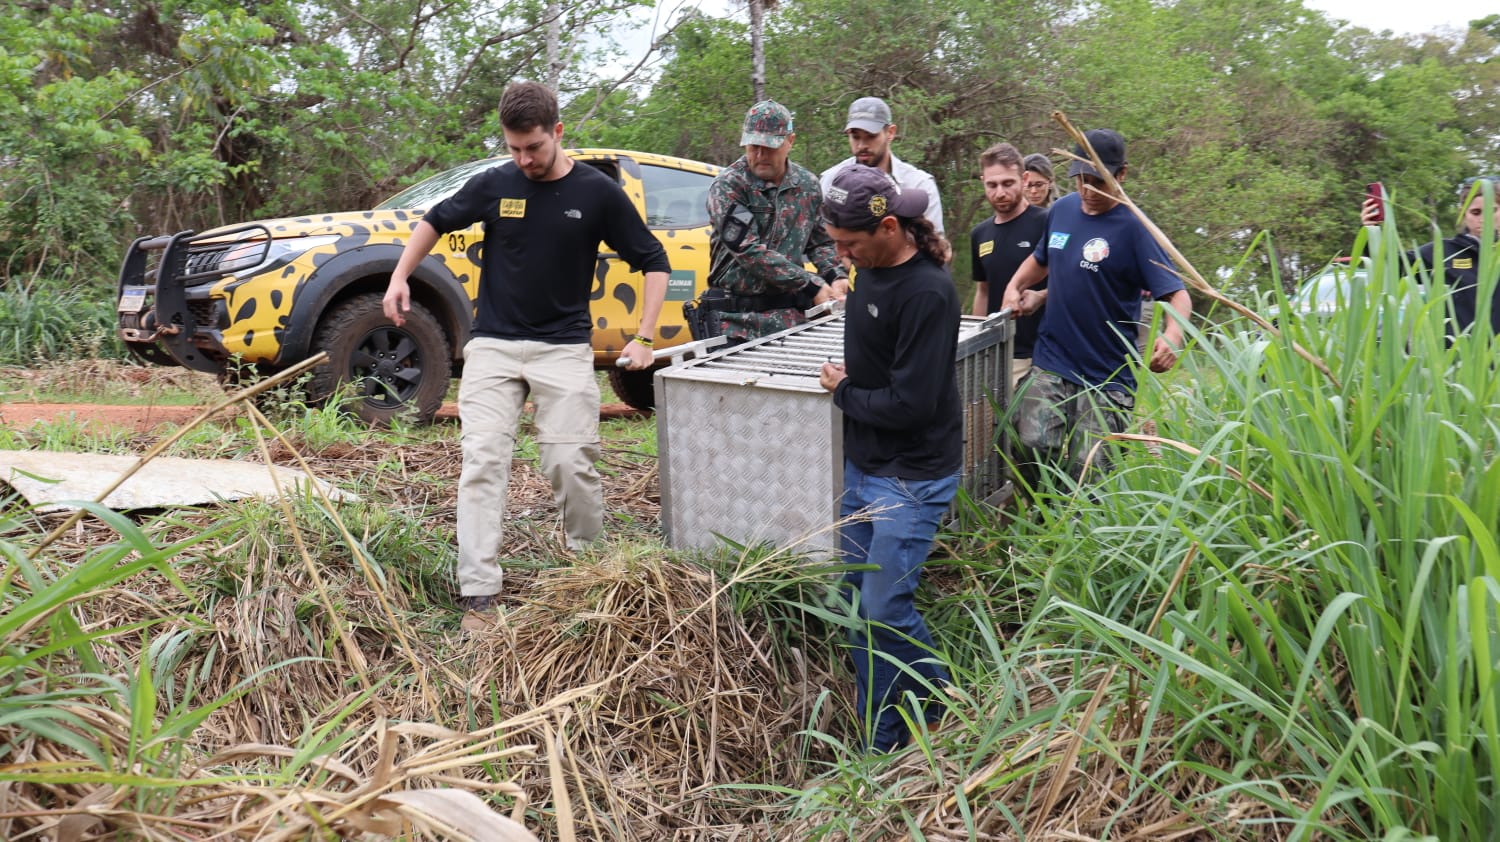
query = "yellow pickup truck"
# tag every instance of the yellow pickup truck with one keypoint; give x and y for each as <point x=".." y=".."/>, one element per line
<point x="266" y="295"/>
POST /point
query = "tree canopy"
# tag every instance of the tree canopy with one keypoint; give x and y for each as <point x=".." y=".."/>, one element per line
<point x="1239" y="118"/>
<point x="151" y="117"/>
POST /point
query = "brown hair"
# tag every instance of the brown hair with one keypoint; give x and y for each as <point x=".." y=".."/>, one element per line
<point x="1001" y="154"/>
<point x="526" y="105"/>
<point x="1038" y="163"/>
<point x="927" y="238"/>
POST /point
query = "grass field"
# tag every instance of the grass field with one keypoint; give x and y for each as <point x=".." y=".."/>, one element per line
<point x="1277" y="619"/>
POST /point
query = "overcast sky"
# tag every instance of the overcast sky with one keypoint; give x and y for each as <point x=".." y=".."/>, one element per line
<point x="1401" y="17"/>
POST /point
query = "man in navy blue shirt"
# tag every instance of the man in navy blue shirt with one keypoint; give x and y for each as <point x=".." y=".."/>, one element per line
<point x="1097" y="258"/>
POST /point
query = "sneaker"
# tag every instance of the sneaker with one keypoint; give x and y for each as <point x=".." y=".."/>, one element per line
<point x="480" y="612"/>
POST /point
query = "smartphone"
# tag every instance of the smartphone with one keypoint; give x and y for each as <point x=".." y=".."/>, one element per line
<point x="1375" y="190"/>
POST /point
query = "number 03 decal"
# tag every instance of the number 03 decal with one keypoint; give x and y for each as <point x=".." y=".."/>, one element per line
<point x="455" y="242"/>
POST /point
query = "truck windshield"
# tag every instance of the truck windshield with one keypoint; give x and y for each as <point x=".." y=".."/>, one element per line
<point x="424" y="194"/>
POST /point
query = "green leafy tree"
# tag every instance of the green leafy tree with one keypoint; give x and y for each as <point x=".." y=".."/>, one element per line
<point x="695" y="107"/>
<point x="150" y="117"/>
<point x="64" y="121"/>
<point x="952" y="92"/>
<point x="163" y="116"/>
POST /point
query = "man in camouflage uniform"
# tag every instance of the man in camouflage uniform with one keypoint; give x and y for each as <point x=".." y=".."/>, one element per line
<point x="766" y="216"/>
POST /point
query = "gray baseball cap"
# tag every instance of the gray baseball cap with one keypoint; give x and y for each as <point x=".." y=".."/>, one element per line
<point x="868" y="113"/>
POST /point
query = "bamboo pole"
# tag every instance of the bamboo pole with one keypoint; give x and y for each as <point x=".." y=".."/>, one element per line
<point x="161" y="447"/>
<point x="1184" y="268"/>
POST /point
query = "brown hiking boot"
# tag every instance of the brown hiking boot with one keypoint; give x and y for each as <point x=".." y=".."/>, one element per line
<point x="481" y="613"/>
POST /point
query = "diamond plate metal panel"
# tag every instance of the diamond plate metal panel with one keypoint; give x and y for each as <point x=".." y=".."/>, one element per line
<point x="750" y="446"/>
<point x="749" y="463"/>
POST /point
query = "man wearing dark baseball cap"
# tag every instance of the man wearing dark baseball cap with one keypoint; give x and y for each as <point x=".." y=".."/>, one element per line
<point x="765" y="212"/>
<point x="870" y="132"/>
<point x="903" y="437"/>
<point x="1110" y="148"/>
<point x="1097" y="259"/>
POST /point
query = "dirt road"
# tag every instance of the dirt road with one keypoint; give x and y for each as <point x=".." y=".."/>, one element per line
<point x="143" y="419"/>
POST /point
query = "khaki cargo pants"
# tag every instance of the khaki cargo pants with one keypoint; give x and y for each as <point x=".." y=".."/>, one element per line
<point x="498" y="375"/>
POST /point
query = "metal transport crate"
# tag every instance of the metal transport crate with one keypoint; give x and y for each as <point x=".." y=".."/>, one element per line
<point x="750" y="447"/>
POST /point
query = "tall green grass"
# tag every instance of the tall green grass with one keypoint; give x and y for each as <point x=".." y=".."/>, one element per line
<point x="38" y="325"/>
<point x="1326" y="667"/>
<point x="1333" y="651"/>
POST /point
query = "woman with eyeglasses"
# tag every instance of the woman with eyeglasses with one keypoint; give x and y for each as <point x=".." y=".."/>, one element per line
<point x="1037" y="183"/>
<point x="1460" y="253"/>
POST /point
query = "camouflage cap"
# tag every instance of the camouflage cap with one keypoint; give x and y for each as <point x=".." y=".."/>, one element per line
<point x="766" y="124"/>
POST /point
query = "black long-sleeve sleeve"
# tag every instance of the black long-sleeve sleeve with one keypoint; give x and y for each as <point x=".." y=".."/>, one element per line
<point x="902" y="413"/>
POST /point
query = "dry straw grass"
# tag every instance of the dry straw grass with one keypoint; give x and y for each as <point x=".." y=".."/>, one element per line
<point x="614" y="697"/>
<point x="619" y="697"/>
<point x="684" y="697"/>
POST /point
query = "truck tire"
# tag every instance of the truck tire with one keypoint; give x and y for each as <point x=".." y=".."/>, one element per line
<point x="399" y="369"/>
<point x="634" y="387"/>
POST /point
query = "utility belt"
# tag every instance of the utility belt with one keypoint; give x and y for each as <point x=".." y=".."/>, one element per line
<point x="703" y="315"/>
<point x="727" y="302"/>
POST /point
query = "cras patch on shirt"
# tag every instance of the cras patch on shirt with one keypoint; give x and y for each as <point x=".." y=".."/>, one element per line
<point x="1094" y="252"/>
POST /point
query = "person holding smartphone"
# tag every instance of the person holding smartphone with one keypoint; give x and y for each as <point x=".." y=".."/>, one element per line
<point x="1459" y="254"/>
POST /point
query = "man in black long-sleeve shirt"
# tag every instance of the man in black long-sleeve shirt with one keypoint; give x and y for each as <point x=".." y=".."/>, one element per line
<point x="903" y="436"/>
<point x="544" y="217"/>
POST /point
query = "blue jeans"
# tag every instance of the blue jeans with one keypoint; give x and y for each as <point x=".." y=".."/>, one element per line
<point x="890" y="644"/>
